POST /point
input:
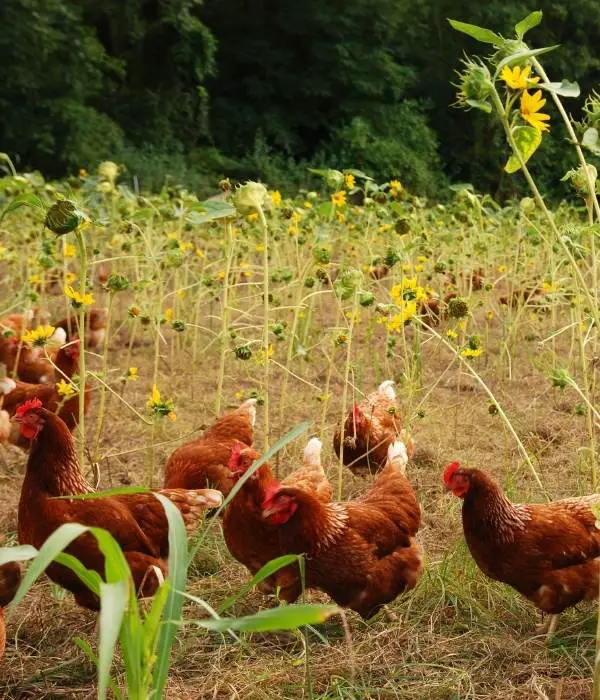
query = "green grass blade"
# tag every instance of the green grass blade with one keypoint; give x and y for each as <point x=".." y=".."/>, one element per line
<point x="60" y="539"/>
<point x="113" y="604"/>
<point x="91" y="578"/>
<point x="267" y="570"/>
<point x="97" y="495"/>
<point x="178" y="567"/>
<point x="287" y="617"/>
<point x="24" y="552"/>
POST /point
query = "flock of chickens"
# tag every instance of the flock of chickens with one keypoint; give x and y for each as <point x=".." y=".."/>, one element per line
<point x="363" y="553"/>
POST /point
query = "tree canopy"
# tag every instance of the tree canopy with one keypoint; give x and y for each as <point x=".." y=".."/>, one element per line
<point x="264" y="88"/>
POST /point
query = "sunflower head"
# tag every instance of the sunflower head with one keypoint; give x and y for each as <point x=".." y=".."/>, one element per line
<point x="530" y="110"/>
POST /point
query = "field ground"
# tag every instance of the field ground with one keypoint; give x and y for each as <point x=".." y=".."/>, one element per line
<point x="457" y="635"/>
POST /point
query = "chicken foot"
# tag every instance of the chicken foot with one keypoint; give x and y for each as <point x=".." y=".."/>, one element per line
<point x="548" y="626"/>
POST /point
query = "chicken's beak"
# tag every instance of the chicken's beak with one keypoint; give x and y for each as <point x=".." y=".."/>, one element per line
<point x="16" y="419"/>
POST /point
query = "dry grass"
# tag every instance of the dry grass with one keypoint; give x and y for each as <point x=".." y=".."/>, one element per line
<point x="457" y="635"/>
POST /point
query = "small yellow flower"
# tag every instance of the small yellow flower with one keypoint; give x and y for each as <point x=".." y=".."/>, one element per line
<point x="502" y="269"/>
<point x="253" y="216"/>
<point x="530" y="110"/>
<point x="419" y="268"/>
<point x="293" y="230"/>
<point x="172" y="416"/>
<point x="517" y="78"/>
<point x="421" y="259"/>
<point x="549" y="288"/>
<point x="259" y="249"/>
<point x="160" y="407"/>
<point x="349" y="180"/>
<point x="70" y="250"/>
<point x="395" y="187"/>
<point x="180" y="293"/>
<point x="276" y="198"/>
<point x="471" y="352"/>
<point x="65" y="389"/>
<point x="185" y="246"/>
<point x="490" y="315"/>
<point x="307" y="205"/>
<point x="168" y="314"/>
<point x="38" y="337"/>
<point x="340" y="217"/>
<point x="239" y="395"/>
<point x="338" y="198"/>
<point x="453" y="335"/>
<point x="221" y="274"/>
<point x="35" y="279"/>
<point x="200" y="254"/>
<point x="82" y="172"/>
<point x="132" y="374"/>
<point x="70" y="277"/>
<point x="77" y="299"/>
<point x="385" y="227"/>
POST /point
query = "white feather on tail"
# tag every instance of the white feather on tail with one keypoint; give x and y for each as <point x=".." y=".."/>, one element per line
<point x="312" y="452"/>
<point x="398" y="456"/>
<point x="5" y="426"/>
<point x="7" y="385"/>
<point x="386" y="389"/>
<point x="250" y="407"/>
<point x="59" y="336"/>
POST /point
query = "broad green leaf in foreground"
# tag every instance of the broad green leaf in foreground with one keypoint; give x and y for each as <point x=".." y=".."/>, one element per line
<point x="527" y="140"/>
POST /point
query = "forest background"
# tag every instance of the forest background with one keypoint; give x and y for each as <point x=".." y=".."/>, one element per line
<point x="188" y="91"/>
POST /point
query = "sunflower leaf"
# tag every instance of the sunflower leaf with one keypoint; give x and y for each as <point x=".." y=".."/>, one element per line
<point x="487" y="36"/>
<point x="532" y="20"/>
<point x="527" y="139"/>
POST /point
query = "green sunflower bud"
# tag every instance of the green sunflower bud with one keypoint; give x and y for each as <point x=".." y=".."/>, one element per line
<point x="252" y="195"/>
<point x="475" y="86"/>
<point x="64" y="217"/>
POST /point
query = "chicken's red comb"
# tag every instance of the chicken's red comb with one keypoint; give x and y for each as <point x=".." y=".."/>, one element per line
<point x="450" y="471"/>
<point x="234" y="458"/>
<point x="27" y="406"/>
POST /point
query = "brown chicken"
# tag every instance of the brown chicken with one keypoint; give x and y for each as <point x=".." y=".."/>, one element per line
<point x="548" y="552"/>
<point x="252" y="541"/>
<point x="95" y="327"/>
<point x="10" y="579"/>
<point x="137" y="521"/>
<point x="362" y="553"/>
<point x="203" y="463"/>
<point x="13" y="393"/>
<point x="370" y="428"/>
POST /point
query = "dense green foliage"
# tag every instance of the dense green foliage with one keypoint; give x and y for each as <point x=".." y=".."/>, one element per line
<point x="259" y="87"/>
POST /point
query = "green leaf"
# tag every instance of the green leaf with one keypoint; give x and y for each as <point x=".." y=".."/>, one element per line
<point x="60" y="539"/>
<point x="527" y="139"/>
<point x="178" y="568"/>
<point x="487" y="36"/>
<point x="64" y="217"/>
<point x="264" y="572"/>
<point x="532" y="20"/>
<point x="590" y="140"/>
<point x="566" y="88"/>
<point x="97" y="495"/>
<point x="480" y="104"/>
<point x="91" y="578"/>
<point x="520" y="56"/>
<point x="113" y="604"/>
<point x="210" y="210"/>
<point x="24" y="200"/>
<point x="286" y="617"/>
<point x="23" y="553"/>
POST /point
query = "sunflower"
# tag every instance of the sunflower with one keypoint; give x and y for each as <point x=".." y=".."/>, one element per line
<point x="517" y="78"/>
<point x="338" y="198"/>
<point x="530" y="110"/>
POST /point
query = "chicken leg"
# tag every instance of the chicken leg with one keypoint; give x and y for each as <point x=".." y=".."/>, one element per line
<point x="548" y="626"/>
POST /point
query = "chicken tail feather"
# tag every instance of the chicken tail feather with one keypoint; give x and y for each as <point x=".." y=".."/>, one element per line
<point x="193" y="503"/>
<point x="398" y="456"/>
